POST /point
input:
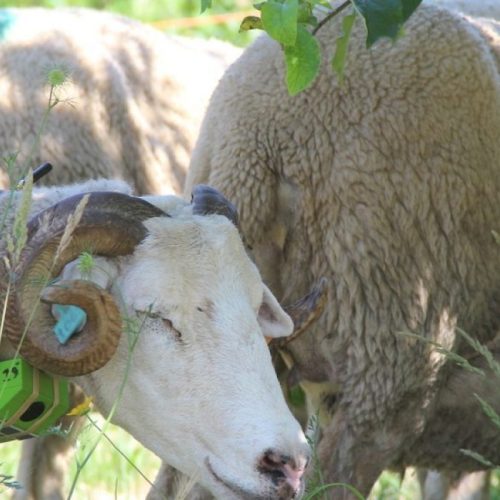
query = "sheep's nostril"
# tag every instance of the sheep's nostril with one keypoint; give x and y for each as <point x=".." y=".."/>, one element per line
<point x="281" y="469"/>
<point x="271" y="464"/>
<point x="272" y="459"/>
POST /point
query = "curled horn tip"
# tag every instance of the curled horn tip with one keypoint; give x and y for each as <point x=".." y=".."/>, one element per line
<point x="305" y="311"/>
<point x="207" y="200"/>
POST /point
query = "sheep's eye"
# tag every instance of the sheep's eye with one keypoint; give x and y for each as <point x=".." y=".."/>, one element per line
<point x="169" y="325"/>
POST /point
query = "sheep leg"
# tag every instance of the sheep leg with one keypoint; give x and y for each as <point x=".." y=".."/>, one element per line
<point x="471" y="486"/>
<point x="42" y="469"/>
<point x="343" y="460"/>
<point x="357" y="455"/>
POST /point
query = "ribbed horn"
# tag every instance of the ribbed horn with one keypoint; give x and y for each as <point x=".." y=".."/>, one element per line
<point x="304" y="312"/>
<point x="110" y="225"/>
<point x="207" y="200"/>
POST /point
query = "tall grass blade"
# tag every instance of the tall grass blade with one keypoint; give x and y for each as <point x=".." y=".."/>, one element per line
<point x="479" y="458"/>
<point x="489" y="411"/>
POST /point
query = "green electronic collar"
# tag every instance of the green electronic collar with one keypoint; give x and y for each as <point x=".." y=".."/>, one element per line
<point x="31" y="401"/>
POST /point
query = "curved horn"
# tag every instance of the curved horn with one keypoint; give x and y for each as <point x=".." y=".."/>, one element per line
<point x="304" y="312"/>
<point x="207" y="200"/>
<point x="110" y="225"/>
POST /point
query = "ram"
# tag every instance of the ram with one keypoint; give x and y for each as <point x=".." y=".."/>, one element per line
<point x="388" y="185"/>
<point x="200" y="374"/>
<point x="130" y="109"/>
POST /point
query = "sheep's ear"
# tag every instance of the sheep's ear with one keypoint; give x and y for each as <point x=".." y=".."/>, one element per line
<point x="273" y="320"/>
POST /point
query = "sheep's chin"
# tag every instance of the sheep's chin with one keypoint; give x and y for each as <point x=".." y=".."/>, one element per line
<point x="230" y="490"/>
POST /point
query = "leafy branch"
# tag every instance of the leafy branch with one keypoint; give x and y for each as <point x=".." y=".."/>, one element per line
<point x="294" y="24"/>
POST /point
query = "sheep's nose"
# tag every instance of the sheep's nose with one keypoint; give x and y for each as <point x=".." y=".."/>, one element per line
<point x="284" y="471"/>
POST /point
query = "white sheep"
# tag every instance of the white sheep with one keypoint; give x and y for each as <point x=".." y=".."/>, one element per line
<point x="388" y="185"/>
<point x="132" y="104"/>
<point x="131" y="109"/>
<point x="200" y="390"/>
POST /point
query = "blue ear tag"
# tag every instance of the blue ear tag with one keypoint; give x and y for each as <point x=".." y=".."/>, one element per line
<point x="71" y="319"/>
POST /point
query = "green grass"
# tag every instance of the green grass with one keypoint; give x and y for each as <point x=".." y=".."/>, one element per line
<point x="391" y="487"/>
<point x="107" y="469"/>
<point x="110" y="470"/>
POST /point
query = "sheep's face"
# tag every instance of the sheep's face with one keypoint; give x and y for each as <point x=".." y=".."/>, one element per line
<point x="201" y="391"/>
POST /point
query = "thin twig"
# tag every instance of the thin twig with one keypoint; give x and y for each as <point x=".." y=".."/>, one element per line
<point x="332" y="14"/>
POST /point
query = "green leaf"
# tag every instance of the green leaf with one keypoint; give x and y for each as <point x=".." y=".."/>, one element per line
<point x="280" y="20"/>
<point x="409" y="7"/>
<point x="304" y="13"/>
<point x="323" y="3"/>
<point x="385" y="18"/>
<point x="205" y="4"/>
<point x="339" y="58"/>
<point x="312" y="21"/>
<point x="251" y="23"/>
<point x="302" y="61"/>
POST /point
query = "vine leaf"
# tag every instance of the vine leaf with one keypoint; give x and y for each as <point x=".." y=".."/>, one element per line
<point x="279" y="19"/>
<point x="339" y="58"/>
<point x="384" y="18"/>
<point x="251" y="23"/>
<point x="409" y="7"/>
<point x="285" y="21"/>
<point x="302" y="61"/>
